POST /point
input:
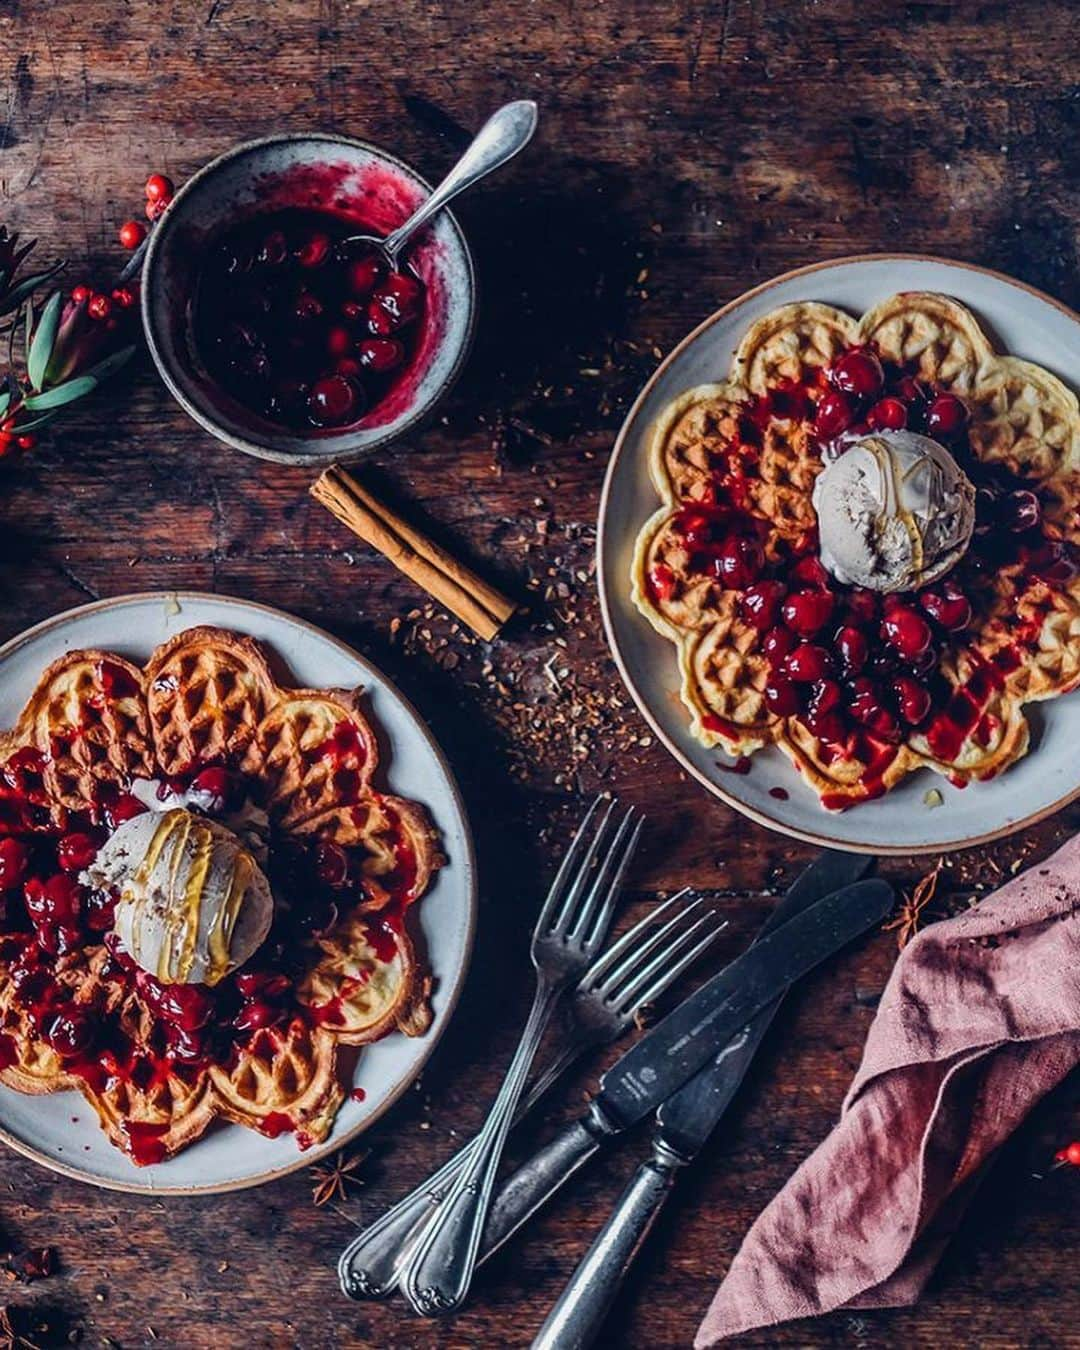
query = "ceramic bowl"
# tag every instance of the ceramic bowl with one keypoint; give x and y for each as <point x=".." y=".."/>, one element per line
<point x="356" y="182"/>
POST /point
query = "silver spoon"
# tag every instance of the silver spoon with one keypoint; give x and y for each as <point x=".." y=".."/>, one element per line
<point x="498" y="140"/>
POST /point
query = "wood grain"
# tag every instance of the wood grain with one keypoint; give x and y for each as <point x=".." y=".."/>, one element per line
<point x="688" y="149"/>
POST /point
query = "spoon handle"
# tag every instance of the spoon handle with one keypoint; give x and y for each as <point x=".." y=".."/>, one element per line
<point x="498" y="140"/>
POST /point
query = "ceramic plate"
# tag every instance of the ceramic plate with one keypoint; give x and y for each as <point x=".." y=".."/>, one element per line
<point x="1018" y="320"/>
<point x="61" y="1130"/>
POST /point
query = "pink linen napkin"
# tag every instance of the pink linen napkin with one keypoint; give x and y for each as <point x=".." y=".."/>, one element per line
<point x="980" y="1018"/>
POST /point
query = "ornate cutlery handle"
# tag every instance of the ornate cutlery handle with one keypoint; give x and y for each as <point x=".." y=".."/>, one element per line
<point x="371" y="1265"/>
<point x="577" y="1317"/>
<point x="439" y="1271"/>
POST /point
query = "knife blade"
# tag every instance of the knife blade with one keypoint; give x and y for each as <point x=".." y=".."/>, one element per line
<point x="683" y="1042"/>
<point x="530" y="1187"/>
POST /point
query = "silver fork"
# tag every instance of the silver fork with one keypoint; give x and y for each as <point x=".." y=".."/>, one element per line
<point x="633" y="973"/>
<point x="570" y="930"/>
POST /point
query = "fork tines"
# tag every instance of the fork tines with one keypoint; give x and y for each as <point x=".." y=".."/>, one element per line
<point x="582" y="897"/>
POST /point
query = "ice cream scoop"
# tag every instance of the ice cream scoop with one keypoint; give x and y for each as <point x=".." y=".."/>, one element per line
<point x="193" y="904"/>
<point x="895" y="512"/>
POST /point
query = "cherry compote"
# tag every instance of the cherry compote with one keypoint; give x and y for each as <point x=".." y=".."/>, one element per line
<point x="301" y="327"/>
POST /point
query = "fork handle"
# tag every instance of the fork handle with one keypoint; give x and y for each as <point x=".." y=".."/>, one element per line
<point x="439" y="1272"/>
<point x="536" y="1181"/>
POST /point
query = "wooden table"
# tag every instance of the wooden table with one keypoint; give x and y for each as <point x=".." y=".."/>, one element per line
<point x="687" y="150"/>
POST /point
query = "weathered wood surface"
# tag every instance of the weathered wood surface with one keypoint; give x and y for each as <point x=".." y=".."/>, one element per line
<point x="687" y="151"/>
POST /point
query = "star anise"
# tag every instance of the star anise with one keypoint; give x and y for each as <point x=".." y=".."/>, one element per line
<point x="10" y="1338"/>
<point x="910" y="915"/>
<point x="335" y="1178"/>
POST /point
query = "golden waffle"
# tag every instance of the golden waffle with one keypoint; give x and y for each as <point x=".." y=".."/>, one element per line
<point x="209" y="696"/>
<point x="1024" y="641"/>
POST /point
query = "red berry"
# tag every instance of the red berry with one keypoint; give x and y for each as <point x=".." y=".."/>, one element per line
<point x="132" y="233"/>
<point x="853" y="647"/>
<point x="126" y="807"/>
<point x="834" y="414"/>
<point x="858" y="372"/>
<point x="255" y="1015"/>
<point x="401" y="295"/>
<point x="911" y="390"/>
<point x="307" y="306"/>
<point x="888" y="414"/>
<point x="912" y="699"/>
<point x="863" y="605"/>
<point x="55" y="900"/>
<point x="907" y="631"/>
<point x="123" y="297"/>
<point x="80" y="294"/>
<point x="824" y="697"/>
<point x="334" y="400"/>
<point x="777" y="642"/>
<point x="351" y="312"/>
<point x="187" y="1005"/>
<point x="760" y="604"/>
<point x="739" y="561"/>
<point x="7" y="443"/>
<point x="157" y="208"/>
<point x="380" y="322"/>
<point x="331" y="865"/>
<point x="214" y="782"/>
<point x="1051" y="562"/>
<point x="807" y="612"/>
<point x="158" y="187"/>
<point x="99" y="908"/>
<point x="781" y="696"/>
<point x="76" y="851"/>
<point x="697" y="528"/>
<point x="827" y="726"/>
<point x="14" y="861"/>
<point x="865" y="702"/>
<point x="364" y="275"/>
<point x="349" y="367"/>
<point x="1021" y="510"/>
<point x="71" y="1032"/>
<point x="810" y="572"/>
<point x="100" y="307"/>
<point x="186" y="1046"/>
<point x="338" y="341"/>
<point x="314" y="251"/>
<point x="1072" y="1153"/>
<point x="947" y="416"/>
<point x="808" y="663"/>
<point x="381" y="354"/>
<point x="951" y="610"/>
<point x="273" y="250"/>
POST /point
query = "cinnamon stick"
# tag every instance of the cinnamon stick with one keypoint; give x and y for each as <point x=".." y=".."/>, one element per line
<point x="455" y="586"/>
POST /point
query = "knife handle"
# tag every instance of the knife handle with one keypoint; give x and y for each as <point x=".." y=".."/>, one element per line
<point x="536" y="1181"/>
<point x="577" y="1317"/>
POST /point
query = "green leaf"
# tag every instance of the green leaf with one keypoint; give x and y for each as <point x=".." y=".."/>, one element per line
<point x="43" y="340"/>
<point x="61" y="394"/>
<point x="5" y="400"/>
<point x="25" y="289"/>
<point x="34" y="423"/>
<point x="28" y="327"/>
<point x="109" y="365"/>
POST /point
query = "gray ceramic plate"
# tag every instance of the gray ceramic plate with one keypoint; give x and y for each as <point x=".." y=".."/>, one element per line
<point x="1018" y="320"/>
<point x="61" y="1130"/>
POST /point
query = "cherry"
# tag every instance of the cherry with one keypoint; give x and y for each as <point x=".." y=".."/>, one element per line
<point x="81" y="294"/>
<point x="265" y="982"/>
<point x="116" y="950"/>
<point x="273" y="250"/>
<point x="888" y="414"/>
<point x="214" y="783"/>
<point x="827" y="726"/>
<point x="123" y="297"/>
<point x="911" y="390"/>
<point x="255" y="1015"/>
<point x="381" y="355"/>
<point x="187" y="1005"/>
<point x="76" y="851"/>
<point x="132" y="233"/>
<point x="331" y="865"/>
<point x="401" y="295"/>
<point x="781" y="696"/>
<point x="807" y="663"/>
<point x="853" y="647"/>
<point x="14" y="860"/>
<point x="349" y="367"/>
<point x="739" y="561"/>
<point x="950" y="608"/>
<point x="907" y="631"/>
<point x="314" y="250"/>
<point x="307" y="306"/>
<point x="1021" y="510"/>
<point x="1052" y="563"/>
<point x="807" y="612"/>
<point x="154" y="210"/>
<point x="71" y="1032"/>
<point x="380" y="322"/>
<point x="777" y="642"/>
<point x="863" y="605"/>
<point x="363" y="275"/>
<point x="125" y="807"/>
<point x="185" y="1045"/>
<point x="810" y="571"/>
<point x="834" y="414"/>
<point x="947" y="416"/>
<point x="351" y="312"/>
<point x="858" y="372"/>
<point x="338" y="341"/>
<point x="99" y="909"/>
<point x="865" y="703"/>
<point x="56" y="899"/>
<point x="158" y="187"/>
<point x="824" y="697"/>
<point x="334" y="400"/>
<point x="697" y="528"/>
<point x="760" y="604"/>
<point x="912" y="699"/>
<point x="100" y="307"/>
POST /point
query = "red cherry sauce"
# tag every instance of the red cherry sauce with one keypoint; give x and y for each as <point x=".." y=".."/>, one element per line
<point x="300" y="327"/>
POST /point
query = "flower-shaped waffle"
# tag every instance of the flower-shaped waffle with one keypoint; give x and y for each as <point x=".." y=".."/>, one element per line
<point x="160" y="1061"/>
<point x="856" y="688"/>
